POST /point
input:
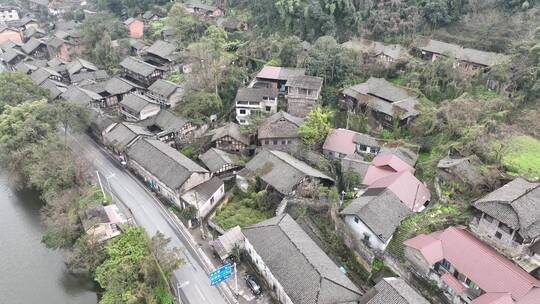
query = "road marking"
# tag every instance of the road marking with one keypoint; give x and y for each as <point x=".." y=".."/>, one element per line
<point x="200" y="293"/>
<point x="183" y="284"/>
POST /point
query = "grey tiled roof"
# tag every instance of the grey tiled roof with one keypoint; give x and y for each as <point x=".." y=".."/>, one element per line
<point x="136" y="102"/>
<point x="305" y="82"/>
<point x="163" y="87"/>
<point x="460" y="53"/>
<point x="78" y="64"/>
<point x="231" y="129"/>
<point x="118" y="85"/>
<point x="282" y="171"/>
<point x="138" y="66"/>
<point x="406" y="155"/>
<point x="80" y="96"/>
<point x="306" y="273"/>
<point x="381" y="210"/>
<point x="516" y="204"/>
<point x="204" y="191"/>
<point x="98" y="75"/>
<point x="385" y="97"/>
<point x="31" y="45"/>
<point x="123" y="134"/>
<point x="214" y="159"/>
<point x="164" y="162"/>
<point x="161" y="49"/>
<point x="365" y="139"/>
<point x="166" y="121"/>
<point x="280" y="125"/>
<point x="255" y="94"/>
<point x="392" y="291"/>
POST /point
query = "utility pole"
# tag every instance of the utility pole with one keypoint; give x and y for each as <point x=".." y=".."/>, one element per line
<point x="235" y="278"/>
<point x="199" y="217"/>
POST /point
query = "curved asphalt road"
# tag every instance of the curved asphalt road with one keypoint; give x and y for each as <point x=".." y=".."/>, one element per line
<point x="190" y="280"/>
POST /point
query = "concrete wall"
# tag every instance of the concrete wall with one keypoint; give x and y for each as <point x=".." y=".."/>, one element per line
<point x="149" y="111"/>
<point x="274" y="284"/>
<point x="486" y="230"/>
<point x="360" y="229"/>
<point x="213" y="201"/>
<point x="417" y="261"/>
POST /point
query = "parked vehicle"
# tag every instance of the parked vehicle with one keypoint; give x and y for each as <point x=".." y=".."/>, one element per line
<point x="252" y="283"/>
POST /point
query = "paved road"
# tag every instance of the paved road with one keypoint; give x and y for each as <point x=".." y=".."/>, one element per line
<point x="190" y="280"/>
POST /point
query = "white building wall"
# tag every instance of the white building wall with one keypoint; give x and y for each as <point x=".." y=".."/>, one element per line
<point x="360" y="229"/>
<point x="149" y="111"/>
<point x="282" y="297"/>
<point x="207" y="206"/>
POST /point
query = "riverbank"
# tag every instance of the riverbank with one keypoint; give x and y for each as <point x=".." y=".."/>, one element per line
<point x="30" y="272"/>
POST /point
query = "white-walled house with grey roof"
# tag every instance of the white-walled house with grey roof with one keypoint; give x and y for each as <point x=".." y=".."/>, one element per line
<point x="164" y="169"/>
<point x="295" y="268"/>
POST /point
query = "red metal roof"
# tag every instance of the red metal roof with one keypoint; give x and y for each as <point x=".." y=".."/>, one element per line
<point x="453" y="283"/>
<point x="494" y="298"/>
<point x="412" y="192"/>
<point x="340" y="140"/>
<point x="491" y="271"/>
<point x="384" y="165"/>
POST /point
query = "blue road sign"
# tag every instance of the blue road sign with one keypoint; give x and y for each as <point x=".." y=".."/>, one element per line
<point x="221" y="274"/>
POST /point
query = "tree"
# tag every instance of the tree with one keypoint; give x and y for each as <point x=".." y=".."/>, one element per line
<point x="85" y="255"/>
<point x="315" y="127"/>
<point x="211" y="60"/>
<point x="186" y="28"/>
<point x="436" y="12"/>
<point x="351" y="179"/>
<point x="60" y="218"/>
<point x="291" y="48"/>
<point x="329" y="60"/>
<point x="169" y="259"/>
<point x="98" y="32"/>
<point x="16" y="88"/>
<point x="199" y="105"/>
<point x="72" y="117"/>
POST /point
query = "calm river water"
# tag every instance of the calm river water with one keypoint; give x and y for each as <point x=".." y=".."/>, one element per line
<point x="29" y="272"/>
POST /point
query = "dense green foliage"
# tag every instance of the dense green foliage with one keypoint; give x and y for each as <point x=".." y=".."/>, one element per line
<point x="244" y="209"/>
<point x="315" y="127"/>
<point x="18" y="88"/>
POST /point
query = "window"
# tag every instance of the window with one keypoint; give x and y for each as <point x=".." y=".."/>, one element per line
<point x="266" y="142"/>
<point x="268" y="108"/>
<point x="362" y="147"/>
<point x="488" y="218"/>
<point x="212" y="200"/>
<point x="356" y="219"/>
<point x="498" y="235"/>
<point x="242" y="111"/>
<point x="445" y="264"/>
<point x="275" y="142"/>
<point x="517" y="238"/>
<point x="505" y="228"/>
<point x="289" y="141"/>
<point x="283" y="142"/>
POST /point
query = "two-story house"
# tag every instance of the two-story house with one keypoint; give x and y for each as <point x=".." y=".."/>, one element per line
<point x="139" y="71"/>
<point x="280" y="132"/>
<point x="168" y="94"/>
<point x="137" y="107"/>
<point x="169" y="128"/>
<point x="386" y="103"/>
<point x="277" y="77"/>
<point x="164" y="169"/>
<point x="468" y="270"/>
<point x="284" y="173"/>
<point x="229" y="138"/>
<point x="509" y="219"/>
<point x="255" y="102"/>
<point x="221" y="163"/>
<point x="303" y="92"/>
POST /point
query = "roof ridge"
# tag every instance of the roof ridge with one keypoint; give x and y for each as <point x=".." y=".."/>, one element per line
<point x="162" y="152"/>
